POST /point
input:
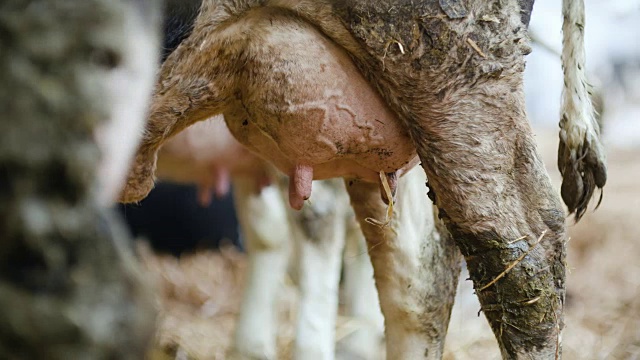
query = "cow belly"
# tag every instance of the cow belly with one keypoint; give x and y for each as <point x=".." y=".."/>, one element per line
<point x="302" y="104"/>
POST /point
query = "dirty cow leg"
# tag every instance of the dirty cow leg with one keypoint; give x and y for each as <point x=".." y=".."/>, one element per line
<point x="319" y="229"/>
<point x="415" y="267"/>
<point x="494" y="194"/>
<point x="263" y="220"/>
<point x="360" y="297"/>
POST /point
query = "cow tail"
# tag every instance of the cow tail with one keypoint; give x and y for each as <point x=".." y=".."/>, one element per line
<point x="581" y="157"/>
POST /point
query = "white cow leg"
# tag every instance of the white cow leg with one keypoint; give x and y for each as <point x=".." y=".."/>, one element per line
<point x="263" y="221"/>
<point x="319" y="229"/>
<point x="415" y="267"/>
<point x="360" y="298"/>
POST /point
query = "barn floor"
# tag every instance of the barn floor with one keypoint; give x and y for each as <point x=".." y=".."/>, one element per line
<point x="198" y="296"/>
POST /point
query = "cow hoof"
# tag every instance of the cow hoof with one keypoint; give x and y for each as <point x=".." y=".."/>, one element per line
<point x="583" y="169"/>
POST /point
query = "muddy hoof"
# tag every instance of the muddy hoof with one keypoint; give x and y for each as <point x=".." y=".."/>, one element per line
<point x="583" y="169"/>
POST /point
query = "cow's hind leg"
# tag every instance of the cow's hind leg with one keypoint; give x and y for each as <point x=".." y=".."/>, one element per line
<point x="263" y="220"/>
<point x="416" y="267"/>
<point x="319" y="229"/>
<point x="493" y="192"/>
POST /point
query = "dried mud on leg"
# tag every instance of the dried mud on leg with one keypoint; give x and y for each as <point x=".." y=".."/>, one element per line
<point x="497" y="201"/>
